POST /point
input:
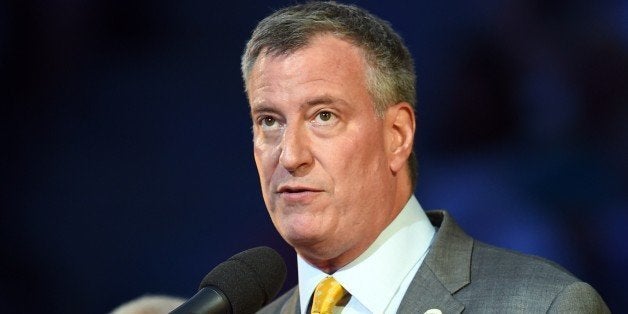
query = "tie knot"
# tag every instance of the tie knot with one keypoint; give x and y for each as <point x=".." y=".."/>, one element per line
<point x="327" y="294"/>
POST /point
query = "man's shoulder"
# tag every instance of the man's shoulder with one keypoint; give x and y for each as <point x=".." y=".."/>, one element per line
<point x="489" y="279"/>
<point x="286" y="303"/>
<point x="511" y="281"/>
<point x="453" y="248"/>
<point x="494" y="262"/>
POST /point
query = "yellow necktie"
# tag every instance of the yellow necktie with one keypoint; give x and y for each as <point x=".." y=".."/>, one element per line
<point x="327" y="294"/>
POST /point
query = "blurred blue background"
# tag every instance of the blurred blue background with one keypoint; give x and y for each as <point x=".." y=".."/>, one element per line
<point x="127" y="164"/>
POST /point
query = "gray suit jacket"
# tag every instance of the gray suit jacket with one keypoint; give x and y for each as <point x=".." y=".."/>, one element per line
<point x="462" y="274"/>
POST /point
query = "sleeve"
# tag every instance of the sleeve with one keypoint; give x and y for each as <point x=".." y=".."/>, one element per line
<point x="578" y="297"/>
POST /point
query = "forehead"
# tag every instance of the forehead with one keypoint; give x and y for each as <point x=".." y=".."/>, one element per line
<point x="327" y="60"/>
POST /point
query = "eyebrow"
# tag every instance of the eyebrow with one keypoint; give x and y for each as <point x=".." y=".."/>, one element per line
<point x="262" y="109"/>
<point x="311" y="102"/>
<point x="320" y="100"/>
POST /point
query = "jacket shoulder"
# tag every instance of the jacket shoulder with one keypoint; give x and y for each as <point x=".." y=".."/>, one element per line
<point x="494" y="263"/>
<point x="511" y="281"/>
<point x="488" y="279"/>
<point x="286" y="303"/>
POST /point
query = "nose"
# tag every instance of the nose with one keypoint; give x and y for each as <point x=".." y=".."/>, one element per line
<point x="295" y="156"/>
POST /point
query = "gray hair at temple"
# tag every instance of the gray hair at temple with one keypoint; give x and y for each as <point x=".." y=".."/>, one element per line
<point x="390" y="68"/>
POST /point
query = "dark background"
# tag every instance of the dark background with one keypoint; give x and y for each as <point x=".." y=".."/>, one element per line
<point x="126" y="162"/>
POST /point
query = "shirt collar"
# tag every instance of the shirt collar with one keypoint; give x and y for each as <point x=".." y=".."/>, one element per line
<point x="387" y="262"/>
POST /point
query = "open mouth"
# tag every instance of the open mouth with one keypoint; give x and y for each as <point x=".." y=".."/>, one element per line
<point x="295" y="190"/>
<point x="297" y="193"/>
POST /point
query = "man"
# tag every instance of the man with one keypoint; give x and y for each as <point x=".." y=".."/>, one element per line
<point x="332" y="93"/>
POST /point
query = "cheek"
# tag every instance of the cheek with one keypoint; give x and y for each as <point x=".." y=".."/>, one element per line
<point x="258" y="156"/>
<point x="262" y="165"/>
<point x="358" y="160"/>
<point x="264" y="156"/>
<point x="266" y="161"/>
<point x="361" y="150"/>
<point x="264" y="174"/>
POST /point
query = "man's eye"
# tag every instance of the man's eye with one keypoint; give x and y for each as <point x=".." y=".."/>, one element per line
<point x="268" y="121"/>
<point x="324" y="117"/>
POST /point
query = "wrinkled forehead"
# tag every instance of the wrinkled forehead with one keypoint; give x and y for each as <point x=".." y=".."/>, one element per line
<point x="291" y="46"/>
<point x="323" y="54"/>
<point x="328" y="67"/>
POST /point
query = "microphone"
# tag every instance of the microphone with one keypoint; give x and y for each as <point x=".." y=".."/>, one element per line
<point x="242" y="284"/>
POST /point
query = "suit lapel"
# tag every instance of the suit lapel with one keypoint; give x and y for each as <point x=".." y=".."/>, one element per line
<point x="445" y="270"/>
<point x="426" y="292"/>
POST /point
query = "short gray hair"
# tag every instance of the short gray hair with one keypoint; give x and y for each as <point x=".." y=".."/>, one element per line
<point x="390" y="76"/>
<point x="390" y="68"/>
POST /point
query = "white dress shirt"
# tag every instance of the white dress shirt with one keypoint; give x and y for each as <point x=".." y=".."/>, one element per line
<point x="378" y="279"/>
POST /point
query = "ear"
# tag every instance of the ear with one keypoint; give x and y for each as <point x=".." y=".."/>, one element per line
<point x="400" y="126"/>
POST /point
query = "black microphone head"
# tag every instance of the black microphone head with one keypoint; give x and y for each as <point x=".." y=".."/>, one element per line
<point x="249" y="279"/>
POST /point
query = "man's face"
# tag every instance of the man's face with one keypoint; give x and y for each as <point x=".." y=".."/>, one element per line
<point x="320" y="149"/>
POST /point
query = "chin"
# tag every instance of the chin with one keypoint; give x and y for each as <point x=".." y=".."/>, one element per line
<point x="298" y="238"/>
